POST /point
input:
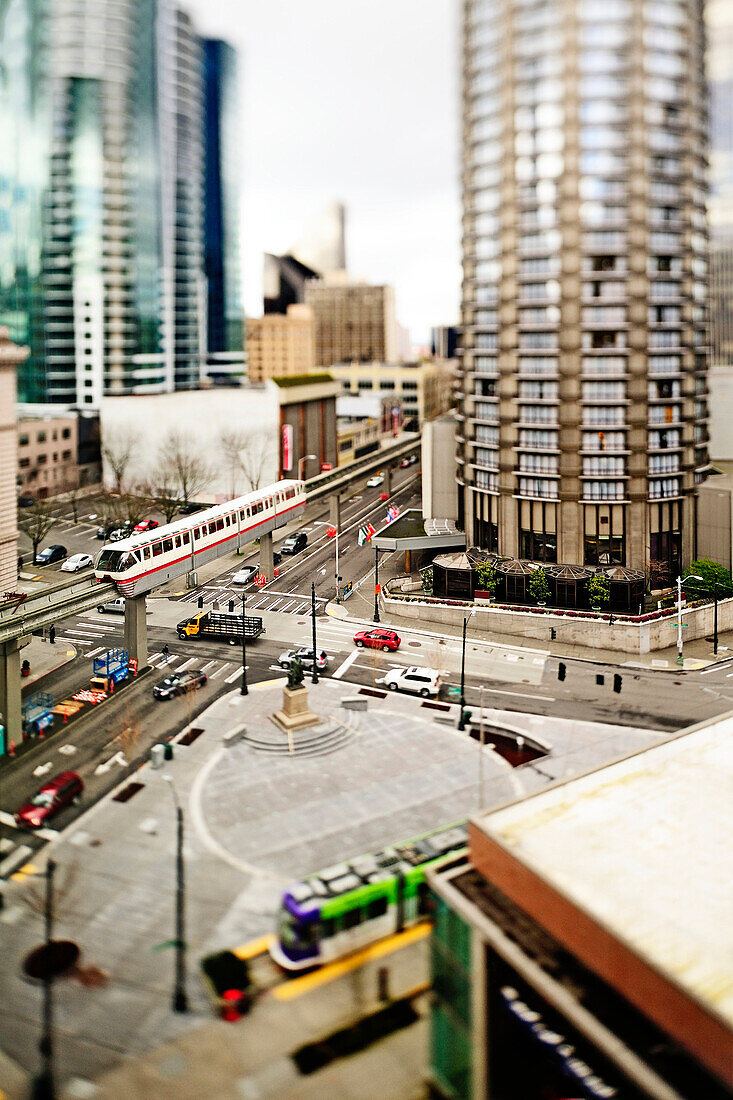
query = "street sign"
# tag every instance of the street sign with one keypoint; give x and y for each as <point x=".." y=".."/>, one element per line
<point x="347" y="590"/>
<point x="454" y="691"/>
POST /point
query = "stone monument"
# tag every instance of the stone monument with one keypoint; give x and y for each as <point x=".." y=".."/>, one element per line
<point x="295" y="713"/>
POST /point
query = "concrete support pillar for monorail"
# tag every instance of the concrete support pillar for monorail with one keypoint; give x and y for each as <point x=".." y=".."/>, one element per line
<point x="10" y="691"/>
<point x="136" y="630"/>
<point x="334" y="516"/>
<point x="267" y="565"/>
<point x="388" y="480"/>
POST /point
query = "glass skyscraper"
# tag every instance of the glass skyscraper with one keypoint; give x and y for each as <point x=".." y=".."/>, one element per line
<point x="583" y="404"/>
<point x="222" y="185"/>
<point x="102" y="197"/>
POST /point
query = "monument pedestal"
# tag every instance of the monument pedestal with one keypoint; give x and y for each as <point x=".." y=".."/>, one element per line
<point x="295" y="713"/>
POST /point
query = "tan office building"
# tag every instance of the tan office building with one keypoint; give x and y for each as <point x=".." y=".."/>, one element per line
<point x="281" y="345"/>
<point x="584" y="411"/>
<point x="10" y="357"/>
<point x="352" y="321"/>
<point x="48" y="448"/>
<point x="424" y="390"/>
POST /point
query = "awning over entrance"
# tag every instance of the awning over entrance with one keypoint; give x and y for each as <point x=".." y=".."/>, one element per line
<point x="411" y="532"/>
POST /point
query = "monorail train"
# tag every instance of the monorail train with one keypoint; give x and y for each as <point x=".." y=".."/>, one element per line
<point x="340" y="910"/>
<point x="142" y="562"/>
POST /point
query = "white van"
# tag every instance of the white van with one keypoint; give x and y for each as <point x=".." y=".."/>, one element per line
<point x="419" y="681"/>
<point x="117" y="606"/>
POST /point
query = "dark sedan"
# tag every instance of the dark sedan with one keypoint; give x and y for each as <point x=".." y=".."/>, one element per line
<point x="52" y="554"/>
<point x="180" y="683"/>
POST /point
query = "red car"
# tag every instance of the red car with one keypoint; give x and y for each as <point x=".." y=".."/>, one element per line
<point x="378" y="638"/>
<point x="53" y="796"/>
<point x="145" y="525"/>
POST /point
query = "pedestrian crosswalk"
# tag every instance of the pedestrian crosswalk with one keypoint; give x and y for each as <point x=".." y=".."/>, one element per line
<point x="214" y="669"/>
<point x="290" y="603"/>
<point x="93" y="629"/>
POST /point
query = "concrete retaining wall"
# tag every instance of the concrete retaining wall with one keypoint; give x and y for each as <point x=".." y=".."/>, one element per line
<point x="622" y="636"/>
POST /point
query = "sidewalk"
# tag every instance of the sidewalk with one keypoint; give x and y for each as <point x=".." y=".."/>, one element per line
<point x="697" y="653"/>
<point x="45" y="658"/>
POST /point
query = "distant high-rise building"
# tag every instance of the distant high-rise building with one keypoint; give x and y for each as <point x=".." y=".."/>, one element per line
<point x="283" y="283"/>
<point x="323" y="245"/>
<point x="353" y="321"/>
<point x="102" y="197"/>
<point x="583" y="418"/>
<point x="719" y="16"/>
<point x="280" y="345"/>
<point x="321" y="252"/>
<point x="222" y="185"/>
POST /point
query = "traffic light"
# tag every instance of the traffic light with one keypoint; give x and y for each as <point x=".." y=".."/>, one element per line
<point x="553" y="634"/>
<point x="617" y="683"/>
<point x="561" y="670"/>
<point x="231" y="606"/>
<point x="200" y="601"/>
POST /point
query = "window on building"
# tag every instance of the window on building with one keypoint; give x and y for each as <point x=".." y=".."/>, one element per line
<point x="604" y="534"/>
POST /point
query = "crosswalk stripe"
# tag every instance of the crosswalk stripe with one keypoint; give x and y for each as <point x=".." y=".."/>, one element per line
<point x="187" y="664"/>
<point x="72" y="641"/>
<point x="219" y="671"/>
<point x="94" y="652"/>
<point x="230" y="679"/>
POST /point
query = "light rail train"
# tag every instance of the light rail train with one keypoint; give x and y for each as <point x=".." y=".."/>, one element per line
<point x="142" y="562"/>
<point x="342" y="909"/>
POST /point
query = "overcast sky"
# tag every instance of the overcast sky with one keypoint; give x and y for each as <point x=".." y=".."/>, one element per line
<point x="354" y="101"/>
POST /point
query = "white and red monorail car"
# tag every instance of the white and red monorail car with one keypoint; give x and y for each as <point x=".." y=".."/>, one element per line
<point x="142" y="562"/>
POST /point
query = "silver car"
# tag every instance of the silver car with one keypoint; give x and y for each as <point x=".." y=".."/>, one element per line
<point x="306" y="657"/>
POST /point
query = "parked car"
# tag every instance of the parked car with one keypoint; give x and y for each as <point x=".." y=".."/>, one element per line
<point x="77" y="562"/>
<point x="25" y="500"/>
<point x="51" y="554"/>
<point x="375" y="481"/>
<point x="180" y="683"/>
<point x="378" y="638"/>
<point x="293" y="544"/>
<point x="103" y="533"/>
<point x="306" y="656"/>
<point x="118" y="533"/>
<point x="54" y="795"/>
<point x="145" y="525"/>
<point x="116" y="606"/>
<point x="409" y="461"/>
<point x="245" y="574"/>
<point x="187" y="508"/>
<point x="419" y="681"/>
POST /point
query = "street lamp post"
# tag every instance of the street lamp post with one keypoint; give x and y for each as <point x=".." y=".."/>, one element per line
<point x="338" y="578"/>
<point x="692" y="577"/>
<point x="244" y="690"/>
<point x="376" y="585"/>
<point x="461" y="722"/>
<point x="314" y="677"/>
<point x="180" y="998"/>
<point x="43" y="1084"/>
<point x="301" y="463"/>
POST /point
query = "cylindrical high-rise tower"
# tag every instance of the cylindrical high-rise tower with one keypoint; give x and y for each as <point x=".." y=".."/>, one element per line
<point x="582" y="430"/>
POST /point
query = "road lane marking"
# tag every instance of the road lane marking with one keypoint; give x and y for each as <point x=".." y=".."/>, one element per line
<point x="94" y="652"/>
<point x="207" y="665"/>
<point x="46" y="834"/>
<point x="219" y="671"/>
<point x="187" y="664"/>
<point x="254" y="948"/>
<point x="346" y="665"/>
<point x="230" y="679"/>
<point x="296" y="987"/>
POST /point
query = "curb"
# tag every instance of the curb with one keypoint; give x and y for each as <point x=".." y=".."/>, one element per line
<point x="69" y="645"/>
<point x="630" y="668"/>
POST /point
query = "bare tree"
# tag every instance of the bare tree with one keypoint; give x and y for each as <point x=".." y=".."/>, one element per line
<point x="132" y="506"/>
<point x="163" y="496"/>
<point x="36" y="522"/>
<point x="254" y="457"/>
<point x="232" y="443"/>
<point x="182" y="466"/>
<point x="118" y="447"/>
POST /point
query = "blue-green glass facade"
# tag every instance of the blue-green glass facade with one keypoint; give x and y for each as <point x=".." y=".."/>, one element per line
<point x="222" y="185"/>
<point x="451" y="1019"/>
<point x="24" y="170"/>
<point x="102" y="200"/>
